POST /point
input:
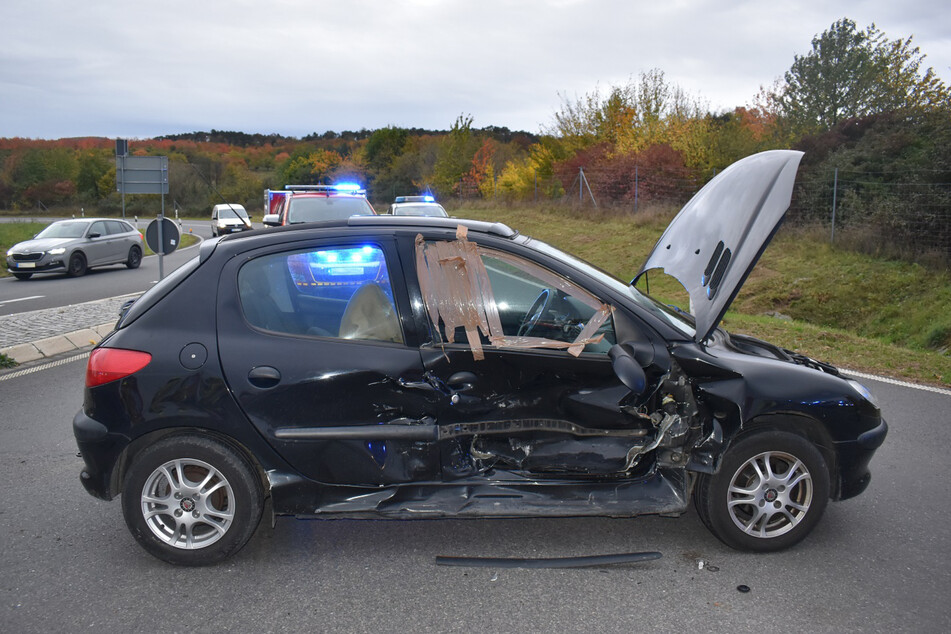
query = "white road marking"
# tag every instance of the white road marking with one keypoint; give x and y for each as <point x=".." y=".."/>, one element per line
<point x="885" y="379"/>
<point x="21" y="299"/>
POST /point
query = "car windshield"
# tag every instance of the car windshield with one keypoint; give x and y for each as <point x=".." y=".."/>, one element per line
<point x="64" y="230"/>
<point x="681" y="321"/>
<point x="235" y="211"/>
<point x="420" y="209"/>
<point x="316" y="208"/>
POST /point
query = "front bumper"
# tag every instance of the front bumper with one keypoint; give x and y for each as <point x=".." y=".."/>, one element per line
<point x="854" y="456"/>
<point x="233" y="228"/>
<point x="43" y="265"/>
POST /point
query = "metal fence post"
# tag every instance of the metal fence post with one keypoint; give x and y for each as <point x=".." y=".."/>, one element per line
<point x="635" y="188"/>
<point x="835" y="187"/>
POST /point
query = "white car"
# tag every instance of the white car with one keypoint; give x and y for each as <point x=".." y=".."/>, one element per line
<point x="229" y="218"/>
<point x="417" y="206"/>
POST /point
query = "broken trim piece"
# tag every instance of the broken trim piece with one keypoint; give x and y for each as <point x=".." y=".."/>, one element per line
<point x="456" y="288"/>
<point x="553" y="562"/>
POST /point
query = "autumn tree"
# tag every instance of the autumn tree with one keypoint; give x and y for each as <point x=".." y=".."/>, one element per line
<point x="454" y="156"/>
<point x="854" y="73"/>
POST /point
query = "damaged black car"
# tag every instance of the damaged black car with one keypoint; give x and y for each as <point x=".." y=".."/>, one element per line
<point x="403" y="367"/>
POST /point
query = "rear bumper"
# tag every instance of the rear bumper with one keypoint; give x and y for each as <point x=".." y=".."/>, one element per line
<point x="99" y="450"/>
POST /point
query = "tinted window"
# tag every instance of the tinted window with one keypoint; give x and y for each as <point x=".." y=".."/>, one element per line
<point x="340" y="292"/>
<point x="116" y="227"/>
<point x="98" y="227"/>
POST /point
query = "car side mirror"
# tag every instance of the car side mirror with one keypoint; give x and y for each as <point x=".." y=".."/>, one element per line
<point x="271" y="220"/>
<point x="94" y="235"/>
<point x="627" y="368"/>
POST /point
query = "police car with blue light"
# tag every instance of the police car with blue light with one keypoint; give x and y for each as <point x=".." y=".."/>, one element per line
<point x="417" y="206"/>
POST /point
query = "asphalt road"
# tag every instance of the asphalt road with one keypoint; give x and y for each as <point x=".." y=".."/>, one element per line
<point x="53" y="290"/>
<point x="877" y="563"/>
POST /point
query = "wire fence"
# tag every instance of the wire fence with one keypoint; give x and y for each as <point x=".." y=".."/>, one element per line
<point x="905" y="215"/>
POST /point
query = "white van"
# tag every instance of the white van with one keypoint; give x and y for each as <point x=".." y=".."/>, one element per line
<point x="229" y="218"/>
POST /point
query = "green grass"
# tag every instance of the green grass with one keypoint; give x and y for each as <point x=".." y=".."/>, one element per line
<point x="852" y="310"/>
<point x="13" y="232"/>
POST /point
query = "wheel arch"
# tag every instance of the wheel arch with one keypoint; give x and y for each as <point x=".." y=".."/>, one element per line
<point x="141" y="443"/>
<point x="801" y="425"/>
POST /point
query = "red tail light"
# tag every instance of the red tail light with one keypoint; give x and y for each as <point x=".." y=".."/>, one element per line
<point x="112" y="364"/>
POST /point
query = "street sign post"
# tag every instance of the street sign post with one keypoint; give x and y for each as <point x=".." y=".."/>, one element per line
<point x="162" y="236"/>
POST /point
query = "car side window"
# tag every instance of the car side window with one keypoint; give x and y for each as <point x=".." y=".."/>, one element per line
<point x="533" y="302"/>
<point x="495" y="298"/>
<point x="342" y="292"/>
<point x="115" y="227"/>
<point x="98" y="227"/>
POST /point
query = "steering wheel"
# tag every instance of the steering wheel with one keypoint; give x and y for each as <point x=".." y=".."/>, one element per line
<point x="538" y="308"/>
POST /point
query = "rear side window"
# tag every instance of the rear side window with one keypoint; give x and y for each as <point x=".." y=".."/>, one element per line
<point x="342" y="292"/>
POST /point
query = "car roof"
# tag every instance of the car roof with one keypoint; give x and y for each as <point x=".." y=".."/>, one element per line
<point x="429" y="222"/>
<point x="64" y="220"/>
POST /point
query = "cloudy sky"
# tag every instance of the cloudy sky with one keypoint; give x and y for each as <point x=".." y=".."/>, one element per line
<point x="141" y="69"/>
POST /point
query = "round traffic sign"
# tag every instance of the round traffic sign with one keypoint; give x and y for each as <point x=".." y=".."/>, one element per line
<point x="170" y="236"/>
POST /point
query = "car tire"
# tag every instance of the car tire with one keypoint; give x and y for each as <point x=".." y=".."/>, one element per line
<point x="135" y="257"/>
<point x="77" y="265"/>
<point x="769" y="493"/>
<point x="191" y="500"/>
<point x="23" y="276"/>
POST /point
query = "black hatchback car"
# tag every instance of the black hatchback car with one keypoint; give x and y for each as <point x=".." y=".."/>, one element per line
<point x="406" y="367"/>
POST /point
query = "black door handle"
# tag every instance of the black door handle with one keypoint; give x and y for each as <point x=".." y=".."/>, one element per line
<point x="264" y="376"/>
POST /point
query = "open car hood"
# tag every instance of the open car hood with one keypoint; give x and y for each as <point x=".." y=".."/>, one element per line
<point x="713" y="243"/>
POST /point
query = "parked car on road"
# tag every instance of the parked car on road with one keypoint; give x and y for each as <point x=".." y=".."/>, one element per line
<point x="417" y="206"/>
<point x="229" y="218"/>
<point x="297" y="204"/>
<point x="74" y="246"/>
<point x="405" y="367"/>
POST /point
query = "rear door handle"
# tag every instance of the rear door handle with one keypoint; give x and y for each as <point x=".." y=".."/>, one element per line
<point x="264" y="376"/>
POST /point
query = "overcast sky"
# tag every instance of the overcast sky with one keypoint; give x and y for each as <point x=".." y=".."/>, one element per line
<point x="141" y="69"/>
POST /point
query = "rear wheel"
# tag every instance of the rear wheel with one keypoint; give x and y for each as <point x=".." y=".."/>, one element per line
<point x="23" y="276"/>
<point x="770" y="492"/>
<point x="135" y="258"/>
<point x="191" y="500"/>
<point x="77" y="265"/>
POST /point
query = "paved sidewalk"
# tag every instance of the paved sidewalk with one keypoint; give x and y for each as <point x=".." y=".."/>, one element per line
<point x="43" y="333"/>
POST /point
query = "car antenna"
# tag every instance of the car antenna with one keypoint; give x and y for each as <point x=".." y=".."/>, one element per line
<point x="215" y="189"/>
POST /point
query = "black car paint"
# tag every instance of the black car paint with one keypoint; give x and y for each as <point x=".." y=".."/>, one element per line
<point x="425" y="475"/>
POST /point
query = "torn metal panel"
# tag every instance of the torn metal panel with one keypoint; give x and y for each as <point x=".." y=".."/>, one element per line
<point x="547" y="562"/>
<point x="457" y="290"/>
<point x="660" y="491"/>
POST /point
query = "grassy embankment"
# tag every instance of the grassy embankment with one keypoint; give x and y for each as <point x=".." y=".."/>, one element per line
<point x="867" y="314"/>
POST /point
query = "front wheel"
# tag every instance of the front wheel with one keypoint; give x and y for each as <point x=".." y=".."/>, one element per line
<point x="191" y="500"/>
<point x="769" y="493"/>
<point x="135" y="258"/>
<point x="77" y="265"/>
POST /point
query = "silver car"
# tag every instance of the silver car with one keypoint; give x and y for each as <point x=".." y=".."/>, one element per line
<point x="74" y="246"/>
